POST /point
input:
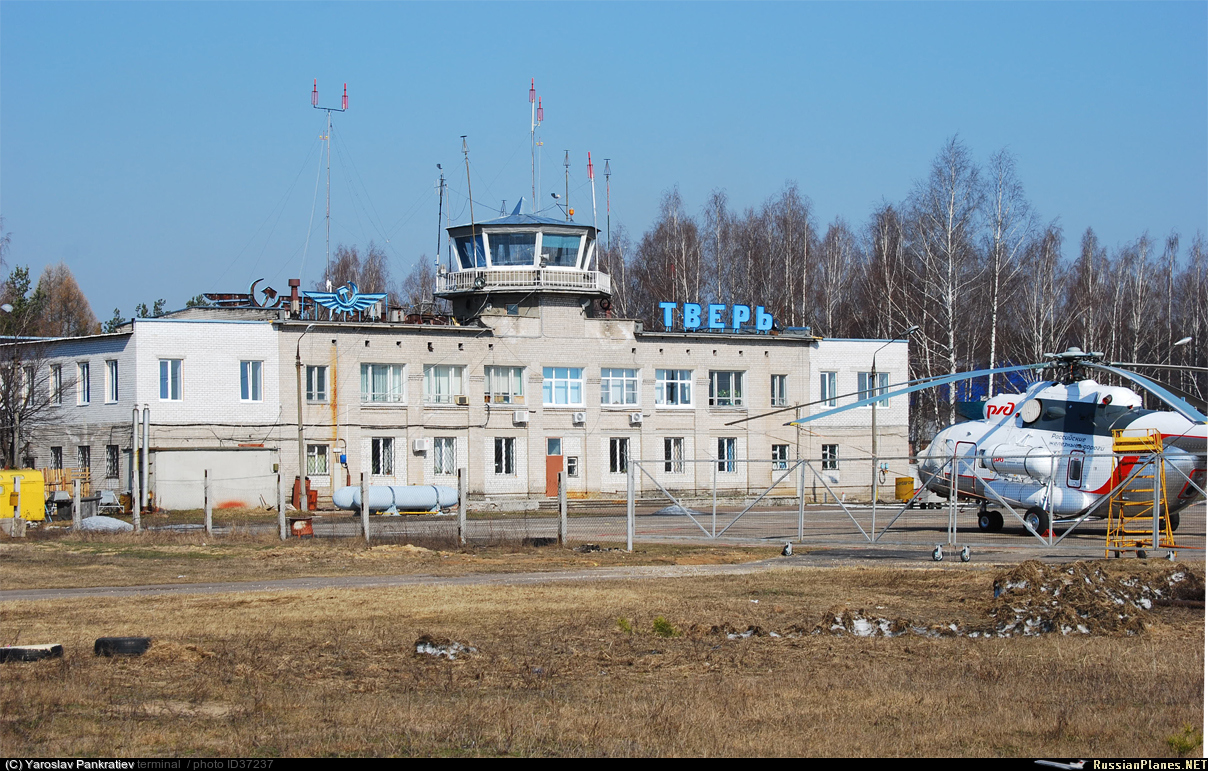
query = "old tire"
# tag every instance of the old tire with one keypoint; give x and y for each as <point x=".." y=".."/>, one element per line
<point x="30" y="652"/>
<point x="121" y="646"/>
<point x="1038" y="519"/>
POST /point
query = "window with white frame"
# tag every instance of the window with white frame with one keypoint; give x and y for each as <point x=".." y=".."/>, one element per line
<point x="111" y="392"/>
<point x="443" y="383"/>
<point x="830" y="388"/>
<point x="727" y="451"/>
<point x="780" y="457"/>
<point x="868" y="389"/>
<point x="316" y="460"/>
<point x="505" y="455"/>
<point x="316" y="383"/>
<point x="562" y="386"/>
<point x="725" y="389"/>
<point x="618" y="386"/>
<point x="83" y="383"/>
<point x="673" y="454"/>
<point x="444" y="455"/>
<point x="505" y="385"/>
<point x="113" y="455"/>
<point x="618" y="455"/>
<point x="251" y="381"/>
<point x="56" y="384"/>
<point x="382" y="383"/>
<point x="381" y="456"/>
<point x="169" y="380"/>
<point x="830" y="456"/>
<point x="673" y="387"/>
<point x="780" y="390"/>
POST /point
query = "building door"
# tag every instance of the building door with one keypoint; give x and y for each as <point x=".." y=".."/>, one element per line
<point x="553" y="465"/>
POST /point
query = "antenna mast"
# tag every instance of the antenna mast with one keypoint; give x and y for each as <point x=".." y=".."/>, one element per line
<point x="591" y="174"/>
<point x="440" y="213"/>
<point x="566" y="165"/>
<point x="314" y="102"/>
<point x="537" y="115"/>
<point x="465" y="150"/>
<point x="608" y="203"/>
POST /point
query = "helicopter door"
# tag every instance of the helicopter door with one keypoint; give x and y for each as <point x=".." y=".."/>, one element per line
<point x="1073" y="474"/>
<point x="965" y="460"/>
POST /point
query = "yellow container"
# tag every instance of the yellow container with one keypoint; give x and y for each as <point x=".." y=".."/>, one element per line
<point x="903" y="488"/>
<point x="33" y="494"/>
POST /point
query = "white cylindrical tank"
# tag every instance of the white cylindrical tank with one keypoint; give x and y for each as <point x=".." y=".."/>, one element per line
<point x="397" y="497"/>
<point x="1025" y="461"/>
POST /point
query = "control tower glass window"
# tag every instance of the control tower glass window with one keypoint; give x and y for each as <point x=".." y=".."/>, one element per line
<point x="512" y="248"/>
<point x="559" y="251"/>
<point x="471" y="257"/>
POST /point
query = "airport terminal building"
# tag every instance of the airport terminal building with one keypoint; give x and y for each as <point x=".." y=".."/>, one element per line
<point x="528" y="375"/>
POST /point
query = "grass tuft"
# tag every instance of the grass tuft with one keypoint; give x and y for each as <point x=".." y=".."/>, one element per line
<point x="664" y="628"/>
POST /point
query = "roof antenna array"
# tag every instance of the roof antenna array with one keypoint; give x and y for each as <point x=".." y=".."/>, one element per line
<point x="537" y="115"/>
<point x="314" y="102"/>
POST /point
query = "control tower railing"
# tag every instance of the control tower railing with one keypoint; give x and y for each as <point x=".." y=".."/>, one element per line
<point x="524" y="278"/>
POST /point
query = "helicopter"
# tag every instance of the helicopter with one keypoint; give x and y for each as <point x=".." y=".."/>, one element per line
<point x="1049" y="450"/>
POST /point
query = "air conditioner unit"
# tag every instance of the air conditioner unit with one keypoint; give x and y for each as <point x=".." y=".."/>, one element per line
<point x="461" y="401"/>
<point x="520" y="416"/>
<point x="635" y="418"/>
<point x="578" y="417"/>
<point x="422" y="445"/>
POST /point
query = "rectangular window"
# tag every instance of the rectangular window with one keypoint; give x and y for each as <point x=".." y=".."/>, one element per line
<point x="505" y="455"/>
<point x="727" y="450"/>
<point x="618" y="455"/>
<point x="618" y="386"/>
<point x="673" y="387"/>
<point x="867" y="390"/>
<point x="443" y="383"/>
<point x="56" y="384"/>
<point x="84" y="458"/>
<point x="512" y="248"/>
<point x="250" y="381"/>
<point x="444" y="455"/>
<point x="169" y="380"/>
<point x="780" y="457"/>
<point x="56" y="457"/>
<point x="381" y="456"/>
<point x="113" y="454"/>
<point x="553" y="446"/>
<point x="780" y="390"/>
<point x="83" y="384"/>
<point x="830" y="388"/>
<point x="316" y="460"/>
<point x="316" y="384"/>
<point x="381" y="383"/>
<point x="505" y="385"/>
<point x="111" y="391"/>
<point x="563" y="386"/>
<point x="725" y="389"/>
<point x="830" y="456"/>
<point x="572" y="466"/>
<point x="560" y="250"/>
<point x="673" y="454"/>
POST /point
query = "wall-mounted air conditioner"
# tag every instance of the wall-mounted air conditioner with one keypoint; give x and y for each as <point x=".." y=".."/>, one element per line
<point x="578" y="417"/>
<point x="422" y="445"/>
<point x="520" y="416"/>
<point x="461" y="401"/>
<point x="635" y="418"/>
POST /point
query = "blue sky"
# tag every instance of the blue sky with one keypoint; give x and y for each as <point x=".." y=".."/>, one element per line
<point x="166" y="149"/>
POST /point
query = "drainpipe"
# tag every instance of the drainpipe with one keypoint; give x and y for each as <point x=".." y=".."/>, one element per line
<point x="146" y="453"/>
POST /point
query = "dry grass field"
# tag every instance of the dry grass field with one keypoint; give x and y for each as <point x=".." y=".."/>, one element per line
<point x="642" y="667"/>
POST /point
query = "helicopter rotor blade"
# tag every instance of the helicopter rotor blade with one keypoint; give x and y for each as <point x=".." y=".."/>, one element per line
<point x="1168" y="398"/>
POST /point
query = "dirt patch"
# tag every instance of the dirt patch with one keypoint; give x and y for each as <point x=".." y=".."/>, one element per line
<point x="167" y="651"/>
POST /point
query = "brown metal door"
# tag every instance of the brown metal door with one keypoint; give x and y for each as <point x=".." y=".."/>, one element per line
<point x="553" y="465"/>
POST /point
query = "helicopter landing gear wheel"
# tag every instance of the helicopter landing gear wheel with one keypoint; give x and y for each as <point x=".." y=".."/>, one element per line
<point x="989" y="521"/>
<point x="1141" y="554"/>
<point x="938" y="554"/>
<point x="1173" y="519"/>
<point x="1038" y="519"/>
<point x="966" y="555"/>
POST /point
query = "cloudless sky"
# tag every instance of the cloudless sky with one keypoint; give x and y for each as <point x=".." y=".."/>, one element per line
<point x="168" y="149"/>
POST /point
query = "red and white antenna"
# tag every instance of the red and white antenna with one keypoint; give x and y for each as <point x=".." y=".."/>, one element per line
<point x="314" y="102"/>
<point x="591" y="174"/>
<point x="314" y="95"/>
<point x="344" y="103"/>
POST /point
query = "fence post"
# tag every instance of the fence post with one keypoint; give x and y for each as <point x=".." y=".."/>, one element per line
<point x="714" y="465"/>
<point x="18" y="519"/>
<point x="208" y="505"/>
<point x="365" y="506"/>
<point x="629" y="505"/>
<point x="76" y="514"/>
<point x="462" y="490"/>
<point x="561" y="508"/>
<point x="281" y="504"/>
<point x="800" y="501"/>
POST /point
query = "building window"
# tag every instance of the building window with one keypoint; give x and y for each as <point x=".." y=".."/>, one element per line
<point x="830" y="386"/>
<point x="563" y="386"/>
<point x="727" y="450"/>
<point x="113" y="454"/>
<point x="725" y="389"/>
<point x="169" y="380"/>
<point x="56" y="384"/>
<point x="381" y="456"/>
<point x="830" y="456"/>
<point x="673" y="454"/>
<point x="83" y="384"/>
<point x="316" y="384"/>
<point x="505" y="455"/>
<point x="780" y="390"/>
<point x="27" y="388"/>
<point x="444" y="455"/>
<point x="250" y="381"/>
<point x="56" y="457"/>
<point x="443" y="383"/>
<point x="505" y="385"/>
<point x="553" y="446"/>
<point x="882" y="387"/>
<point x="618" y="455"/>
<point x="618" y="386"/>
<point x="84" y="458"/>
<point x="381" y="383"/>
<point x="780" y="457"/>
<point x="111" y="392"/>
<point x="572" y="466"/>
<point x="316" y="460"/>
<point x="673" y="387"/>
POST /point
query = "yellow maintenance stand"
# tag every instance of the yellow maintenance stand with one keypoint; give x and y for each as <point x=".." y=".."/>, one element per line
<point x="32" y="494"/>
<point x="1130" y="514"/>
